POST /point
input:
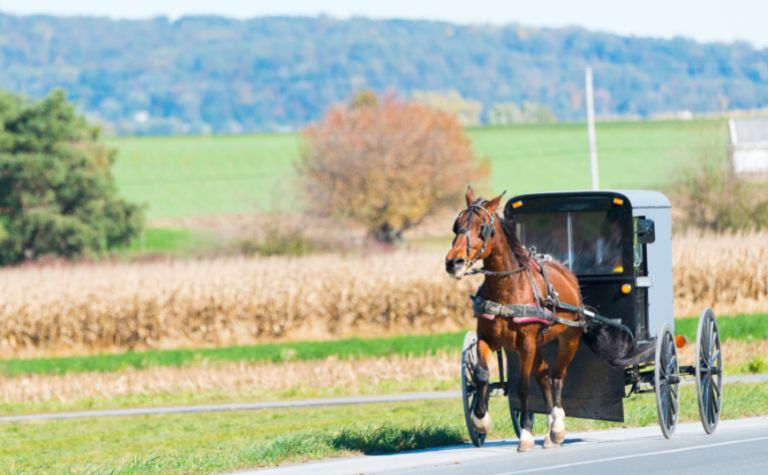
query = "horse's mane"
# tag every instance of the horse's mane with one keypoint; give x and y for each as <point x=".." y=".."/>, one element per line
<point x="515" y="245"/>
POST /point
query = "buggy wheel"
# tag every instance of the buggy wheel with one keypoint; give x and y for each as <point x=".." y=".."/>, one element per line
<point x="666" y="381"/>
<point x="468" y="389"/>
<point x="709" y="374"/>
<point x="513" y="411"/>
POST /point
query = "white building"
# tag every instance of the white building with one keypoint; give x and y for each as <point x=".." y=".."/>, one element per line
<point x="748" y="145"/>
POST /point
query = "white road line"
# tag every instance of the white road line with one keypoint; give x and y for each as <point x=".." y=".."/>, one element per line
<point x="644" y="454"/>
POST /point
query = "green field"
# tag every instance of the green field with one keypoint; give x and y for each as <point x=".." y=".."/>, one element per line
<point x="202" y="176"/>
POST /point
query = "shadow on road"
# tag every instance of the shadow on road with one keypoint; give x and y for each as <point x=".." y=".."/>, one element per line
<point x="387" y="440"/>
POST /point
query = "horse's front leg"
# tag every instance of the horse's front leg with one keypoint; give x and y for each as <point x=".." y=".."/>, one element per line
<point x="527" y="353"/>
<point x="480" y="417"/>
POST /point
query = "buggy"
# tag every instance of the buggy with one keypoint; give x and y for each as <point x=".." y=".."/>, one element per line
<point x="618" y="244"/>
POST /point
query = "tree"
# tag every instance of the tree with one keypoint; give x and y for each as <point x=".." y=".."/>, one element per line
<point x="57" y="194"/>
<point x="386" y="163"/>
<point x="468" y="111"/>
<point x="505" y="113"/>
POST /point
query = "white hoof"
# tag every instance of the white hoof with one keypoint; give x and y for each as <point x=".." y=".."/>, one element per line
<point x="557" y="427"/>
<point x="548" y="442"/>
<point x="483" y="425"/>
<point x="527" y="442"/>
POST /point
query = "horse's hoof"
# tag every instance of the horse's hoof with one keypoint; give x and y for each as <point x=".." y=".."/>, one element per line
<point x="482" y="425"/>
<point x="548" y="444"/>
<point x="557" y="430"/>
<point x="527" y="442"/>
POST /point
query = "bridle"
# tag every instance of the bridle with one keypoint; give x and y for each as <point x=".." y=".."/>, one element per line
<point x="487" y="231"/>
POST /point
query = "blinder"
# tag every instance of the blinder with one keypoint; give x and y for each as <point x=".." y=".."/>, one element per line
<point x="487" y="229"/>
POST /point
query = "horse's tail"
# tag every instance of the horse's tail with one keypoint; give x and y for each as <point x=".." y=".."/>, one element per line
<point x="616" y="347"/>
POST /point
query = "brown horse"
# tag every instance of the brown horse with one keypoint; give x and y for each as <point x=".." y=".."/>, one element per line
<point x="524" y="285"/>
<point x="512" y="278"/>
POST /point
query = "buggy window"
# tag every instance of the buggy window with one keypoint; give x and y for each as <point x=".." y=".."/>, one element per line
<point x="588" y="242"/>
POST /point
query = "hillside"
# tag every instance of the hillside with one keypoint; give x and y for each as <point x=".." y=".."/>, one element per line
<point x="210" y="74"/>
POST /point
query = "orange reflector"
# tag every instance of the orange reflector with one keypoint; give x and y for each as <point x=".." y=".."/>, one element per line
<point x="618" y="269"/>
<point x="626" y="288"/>
<point x="517" y="204"/>
<point x="618" y="201"/>
<point x="680" y="341"/>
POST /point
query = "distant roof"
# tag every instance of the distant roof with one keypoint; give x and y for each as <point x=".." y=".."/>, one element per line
<point x="749" y="130"/>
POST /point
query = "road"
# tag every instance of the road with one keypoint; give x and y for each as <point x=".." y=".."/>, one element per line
<point x="738" y="447"/>
<point x="256" y="406"/>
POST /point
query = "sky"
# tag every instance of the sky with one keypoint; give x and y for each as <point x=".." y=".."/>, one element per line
<point x="703" y="20"/>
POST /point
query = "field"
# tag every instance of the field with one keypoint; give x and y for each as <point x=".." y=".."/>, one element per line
<point x="88" y="308"/>
<point x="211" y="443"/>
<point x="289" y="370"/>
<point x="182" y="177"/>
<point x="166" y="331"/>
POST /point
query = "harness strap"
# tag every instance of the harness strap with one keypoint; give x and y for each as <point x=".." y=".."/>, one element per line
<point x="481" y="307"/>
<point x="476" y="207"/>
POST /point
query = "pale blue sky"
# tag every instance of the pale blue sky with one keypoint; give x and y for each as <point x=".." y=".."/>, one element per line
<point x="704" y="20"/>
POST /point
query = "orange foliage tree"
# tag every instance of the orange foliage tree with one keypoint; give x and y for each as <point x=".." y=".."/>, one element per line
<point x="386" y="163"/>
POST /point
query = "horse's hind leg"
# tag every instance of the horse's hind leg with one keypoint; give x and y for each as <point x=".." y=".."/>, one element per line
<point x="480" y="417"/>
<point x="542" y="376"/>
<point x="568" y="344"/>
<point x="527" y="352"/>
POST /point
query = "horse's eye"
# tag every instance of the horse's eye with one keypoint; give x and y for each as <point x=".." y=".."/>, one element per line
<point x="455" y="228"/>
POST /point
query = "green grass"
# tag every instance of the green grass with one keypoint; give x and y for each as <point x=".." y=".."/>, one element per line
<point x="276" y="352"/>
<point x="536" y="158"/>
<point x="215" y="442"/>
<point x="740" y="327"/>
<point x="170" y="241"/>
<point x="743" y="327"/>
<point x="197" y="176"/>
<point x="203" y="176"/>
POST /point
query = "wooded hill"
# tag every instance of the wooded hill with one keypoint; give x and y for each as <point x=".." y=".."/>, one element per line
<point x="210" y="74"/>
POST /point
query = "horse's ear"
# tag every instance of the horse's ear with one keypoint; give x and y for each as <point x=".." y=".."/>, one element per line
<point x="470" y="196"/>
<point x="494" y="203"/>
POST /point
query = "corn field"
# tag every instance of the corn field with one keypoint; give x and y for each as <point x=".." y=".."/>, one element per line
<point x="87" y="308"/>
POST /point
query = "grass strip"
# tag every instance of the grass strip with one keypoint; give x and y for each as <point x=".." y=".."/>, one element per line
<point x="415" y="345"/>
<point x="742" y="327"/>
<point x="211" y="443"/>
<point x="739" y="327"/>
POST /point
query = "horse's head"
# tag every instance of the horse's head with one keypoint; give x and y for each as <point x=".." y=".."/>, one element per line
<point x="474" y="229"/>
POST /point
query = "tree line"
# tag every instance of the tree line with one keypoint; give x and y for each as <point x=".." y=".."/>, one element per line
<point x="218" y="75"/>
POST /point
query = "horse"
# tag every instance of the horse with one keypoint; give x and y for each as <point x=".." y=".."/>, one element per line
<point x="518" y="280"/>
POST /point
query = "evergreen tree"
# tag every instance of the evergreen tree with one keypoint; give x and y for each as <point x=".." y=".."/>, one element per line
<point x="57" y="194"/>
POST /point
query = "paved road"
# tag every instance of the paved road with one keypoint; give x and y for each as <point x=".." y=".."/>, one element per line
<point x="738" y="447"/>
<point x="254" y="406"/>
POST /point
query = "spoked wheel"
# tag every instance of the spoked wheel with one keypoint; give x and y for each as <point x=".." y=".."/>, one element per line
<point x="468" y="389"/>
<point x="666" y="381"/>
<point x="513" y="411"/>
<point x="709" y="374"/>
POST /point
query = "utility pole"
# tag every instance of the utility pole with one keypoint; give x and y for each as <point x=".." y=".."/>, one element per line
<point x="591" y="130"/>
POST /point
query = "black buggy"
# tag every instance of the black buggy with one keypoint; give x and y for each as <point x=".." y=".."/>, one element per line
<point x="619" y="245"/>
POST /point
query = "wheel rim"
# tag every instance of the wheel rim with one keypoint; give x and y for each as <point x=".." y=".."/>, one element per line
<point x="667" y="381"/>
<point x="468" y="392"/>
<point x="708" y="371"/>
